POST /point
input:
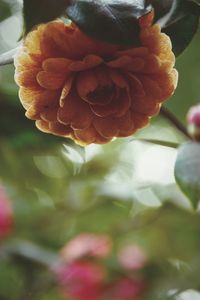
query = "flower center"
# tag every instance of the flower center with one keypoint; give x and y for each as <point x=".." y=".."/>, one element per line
<point x="102" y="95"/>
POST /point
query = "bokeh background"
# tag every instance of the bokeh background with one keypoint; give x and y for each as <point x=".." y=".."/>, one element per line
<point x="125" y="189"/>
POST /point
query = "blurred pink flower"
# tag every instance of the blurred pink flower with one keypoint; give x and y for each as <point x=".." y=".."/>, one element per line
<point x="193" y="119"/>
<point x="87" y="244"/>
<point x="127" y="289"/>
<point x="81" y="280"/>
<point x="6" y="214"/>
<point x="132" y="257"/>
<point x="193" y="116"/>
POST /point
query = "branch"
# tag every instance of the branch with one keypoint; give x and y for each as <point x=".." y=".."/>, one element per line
<point x="28" y="250"/>
<point x="171" y="117"/>
<point x="8" y="57"/>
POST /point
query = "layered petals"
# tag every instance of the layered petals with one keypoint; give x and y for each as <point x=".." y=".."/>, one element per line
<point x="91" y="91"/>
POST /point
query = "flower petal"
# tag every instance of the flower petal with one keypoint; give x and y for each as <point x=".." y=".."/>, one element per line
<point x="66" y="90"/>
<point x="44" y="97"/>
<point x="60" y="129"/>
<point x="75" y="112"/>
<point x="88" y="136"/>
<point x="151" y="87"/>
<point x="27" y="78"/>
<point x="43" y="126"/>
<point x="86" y="83"/>
<point x="140" y="120"/>
<point x="50" y="80"/>
<point x="57" y="65"/>
<point x="136" y="87"/>
<point x="139" y="52"/>
<point x="24" y="61"/>
<point x="118" y="106"/>
<point x="53" y="127"/>
<point x="126" y="125"/>
<point x="33" y="41"/>
<point x="167" y="82"/>
<point x="152" y="64"/>
<point x="145" y="105"/>
<point x="49" y="114"/>
<point x="106" y="127"/>
<point x="89" y="61"/>
<point x="118" y="79"/>
<point x="120" y="62"/>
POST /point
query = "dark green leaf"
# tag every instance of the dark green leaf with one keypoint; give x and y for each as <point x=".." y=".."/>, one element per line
<point x="23" y="133"/>
<point x="112" y="21"/>
<point x="187" y="171"/>
<point x="161" y="7"/>
<point x="4" y="10"/>
<point x="42" y="11"/>
<point x="181" y="24"/>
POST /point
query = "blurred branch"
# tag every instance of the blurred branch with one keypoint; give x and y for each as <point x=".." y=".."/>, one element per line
<point x="7" y="57"/>
<point x="158" y="142"/>
<point x="173" y="120"/>
<point x="31" y="252"/>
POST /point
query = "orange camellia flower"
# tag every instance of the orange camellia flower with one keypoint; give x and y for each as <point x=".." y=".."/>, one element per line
<point x="91" y="91"/>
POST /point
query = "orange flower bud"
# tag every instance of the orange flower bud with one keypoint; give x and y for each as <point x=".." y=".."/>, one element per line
<point x="91" y="91"/>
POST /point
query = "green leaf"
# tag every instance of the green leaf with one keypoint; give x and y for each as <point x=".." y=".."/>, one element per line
<point x="161" y="7"/>
<point x="42" y="11"/>
<point x="4" y="10"/>
<point x="111" y="21"/>
<point x="181" y="24"/>
<point x="23" y="134"/>
<point x="187" y="171"/>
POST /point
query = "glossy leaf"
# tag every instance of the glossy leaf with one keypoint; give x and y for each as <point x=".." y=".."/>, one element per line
<point x="161" y="7"/>
<point x="42" y="11"/>
<point x="113" y="21"/>
<point x="187" y="171"/>
<point x="181" y="24"/>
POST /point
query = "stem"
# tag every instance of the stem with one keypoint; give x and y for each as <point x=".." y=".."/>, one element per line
<point x="171" y="117"/>
<point x="28" y="250"/>
<point x="8" y="57"/>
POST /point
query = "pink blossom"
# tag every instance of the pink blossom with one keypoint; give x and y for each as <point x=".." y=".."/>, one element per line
<point x="132" y="257"/>
<point x="193" y="116"/>
<point x="81" y="280"/>
<point x="87" y="244"/>
<point x="6" y="214"/>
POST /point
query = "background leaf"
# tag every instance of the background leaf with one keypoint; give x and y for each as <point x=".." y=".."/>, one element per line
<point x="109" y="20"/>
<point x="187" y="171"/>
<point x="4" y="10"/>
